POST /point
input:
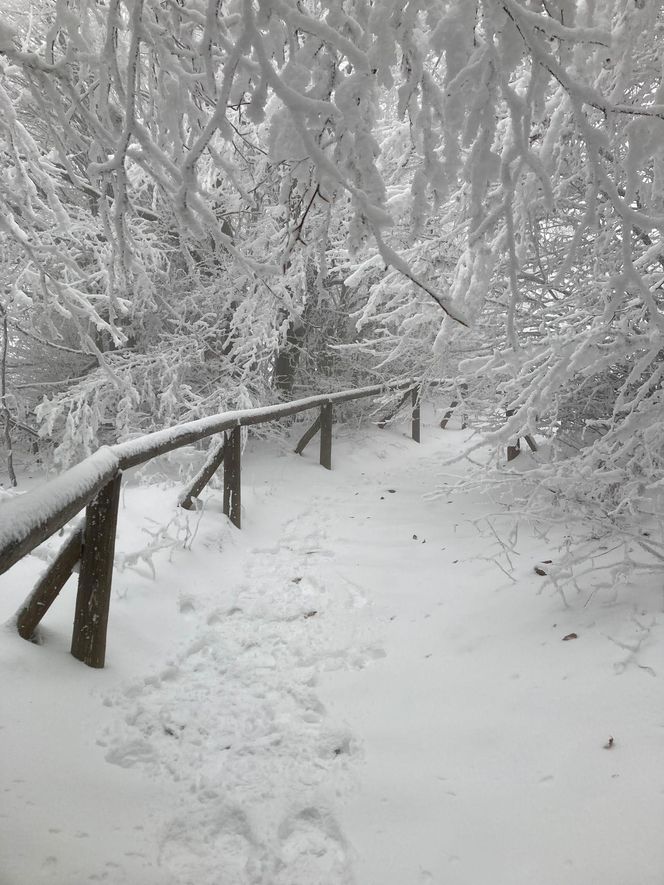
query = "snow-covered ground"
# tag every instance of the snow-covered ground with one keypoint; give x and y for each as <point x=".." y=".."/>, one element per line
<point x="349" y="690"/>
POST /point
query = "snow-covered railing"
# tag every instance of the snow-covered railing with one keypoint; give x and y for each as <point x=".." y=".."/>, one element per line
<point x="28" y="520"/>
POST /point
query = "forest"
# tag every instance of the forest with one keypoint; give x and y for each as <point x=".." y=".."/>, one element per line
<point x="437" y="661"/>
<point x="209" y="205"/>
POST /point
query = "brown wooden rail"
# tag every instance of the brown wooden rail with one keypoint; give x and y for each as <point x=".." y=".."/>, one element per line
<point x="28" y="520"/>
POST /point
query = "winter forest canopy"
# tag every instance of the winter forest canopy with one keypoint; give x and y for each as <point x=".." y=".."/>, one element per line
<point x="207" y="205"/>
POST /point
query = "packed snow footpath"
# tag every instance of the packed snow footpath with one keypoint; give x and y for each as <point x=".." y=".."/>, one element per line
<point x="352" y="690"/>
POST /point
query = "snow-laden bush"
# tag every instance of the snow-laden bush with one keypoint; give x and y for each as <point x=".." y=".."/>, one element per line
<point x="272" y="198"/>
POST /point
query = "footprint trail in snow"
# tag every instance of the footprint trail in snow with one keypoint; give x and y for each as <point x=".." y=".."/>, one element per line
<point x="235" y="721"/>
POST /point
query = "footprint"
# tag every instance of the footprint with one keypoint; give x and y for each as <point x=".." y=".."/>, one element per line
<point x="130" y="753"/>
<point x="366" y="656"/>
<point x="313" y="851"/>
<point x="336" y="744"/>
<point x="198" y="845"/>
<point x="187" y="605"/>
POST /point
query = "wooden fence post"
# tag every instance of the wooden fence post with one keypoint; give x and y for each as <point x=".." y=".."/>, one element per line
<point x="326" y="436"/>
<point x="94" y="583"/>
<point x="232" y="477"/>
<point x="415" y="422"/>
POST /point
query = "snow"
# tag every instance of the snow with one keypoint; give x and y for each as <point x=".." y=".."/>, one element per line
<point x="349" y="691"/>
<point x="143" y="447"/>
<point x="22" y="513"/>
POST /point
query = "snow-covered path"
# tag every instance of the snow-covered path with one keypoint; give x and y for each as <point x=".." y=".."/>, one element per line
<point x="348" y="692"/>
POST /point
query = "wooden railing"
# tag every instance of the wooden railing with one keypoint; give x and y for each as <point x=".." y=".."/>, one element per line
<point x="94" y="484"/>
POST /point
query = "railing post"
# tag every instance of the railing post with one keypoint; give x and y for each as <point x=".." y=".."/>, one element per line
<point x="415" y="422"/>
<point x="94" y="583"/>
<point x="326" y="436"/>
<point x="232" y="477"/>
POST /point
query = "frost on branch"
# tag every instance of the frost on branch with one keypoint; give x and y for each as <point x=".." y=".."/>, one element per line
<point x="207" y="205"/>
<point x="157" y="155"/>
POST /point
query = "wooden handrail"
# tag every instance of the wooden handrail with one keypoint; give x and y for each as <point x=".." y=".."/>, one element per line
<point x="145" y="448"/>
<point x="28" y="520"/>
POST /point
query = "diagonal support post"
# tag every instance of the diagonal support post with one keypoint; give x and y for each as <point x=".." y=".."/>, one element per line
<point x="212" y="463"/>
<point x="394" y="410"/>
<point x="458" y="400"/>
<point x="49" y="585"/>
<point x="308" y="436"/>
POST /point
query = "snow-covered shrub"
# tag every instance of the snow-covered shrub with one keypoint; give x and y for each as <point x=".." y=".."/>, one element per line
<point x="324" y="192"/>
